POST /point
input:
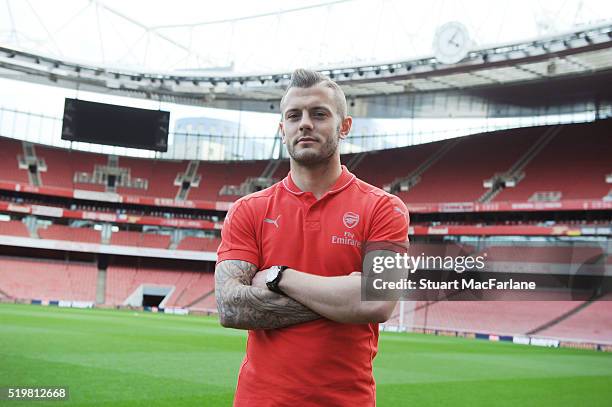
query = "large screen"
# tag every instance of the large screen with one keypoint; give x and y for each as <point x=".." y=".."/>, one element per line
<point x="100" y="123"/>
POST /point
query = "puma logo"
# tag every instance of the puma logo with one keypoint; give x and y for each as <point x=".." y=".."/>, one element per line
<point x="273" y="221"/>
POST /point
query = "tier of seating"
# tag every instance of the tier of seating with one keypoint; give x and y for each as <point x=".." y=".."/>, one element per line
<point x="200" y="288"/>
<point x="14" y="228"/>
<point x="62" y="232"/>
<point x="453" y="249"/>
<point x="590" y="322"/>
<point x="572" y="165"/>
<point x="199" y="244"/>
<point x="56" y="280"/>
<point x="536" y="252"/>
<point x="53" y="280"/>
<point x="380" y="168"/>
<point x="160" y="178"/>
<point x="206" y="304"/>
<point x="120" y="238"/>
<point x="499" y="317"/>
<point x="216" y="175"/>
<point x="187" y="286"/>
<point x="160" y="175"/>
<point x="9" y="164"/>
<point x="559" y="254"/>
<point x="459" y="174"/>
<point x="575" y="164"/>
<point x="47" y="280"/>
<point x="541" y="253"/>
<point x="282" y="170"/>
<point x="125" y="238"/>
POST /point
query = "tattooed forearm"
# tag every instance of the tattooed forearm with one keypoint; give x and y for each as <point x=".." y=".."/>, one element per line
<point x="244" y="307"/>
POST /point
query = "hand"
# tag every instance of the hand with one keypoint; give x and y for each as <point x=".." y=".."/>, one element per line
<point x="259" y="279"/>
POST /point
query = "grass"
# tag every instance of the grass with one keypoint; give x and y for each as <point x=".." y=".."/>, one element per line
<point x="126" y="358"/>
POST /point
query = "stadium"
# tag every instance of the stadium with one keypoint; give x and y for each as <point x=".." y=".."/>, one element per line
<point x="127" y="132"/>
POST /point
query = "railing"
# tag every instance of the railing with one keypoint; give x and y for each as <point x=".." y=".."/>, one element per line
<point x="46" y="130"/>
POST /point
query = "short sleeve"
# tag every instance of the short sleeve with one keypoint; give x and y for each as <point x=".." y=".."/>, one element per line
<point x="389" y="227"/>
<point x="238" y="240"/>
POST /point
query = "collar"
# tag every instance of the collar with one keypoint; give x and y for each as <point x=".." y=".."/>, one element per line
<point x="344" y="180"/>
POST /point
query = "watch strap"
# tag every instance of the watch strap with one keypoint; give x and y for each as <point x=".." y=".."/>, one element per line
<point x="273" y="285"/>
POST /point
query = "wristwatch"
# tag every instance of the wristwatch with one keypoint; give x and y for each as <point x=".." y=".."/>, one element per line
<point x="273" y="278"/>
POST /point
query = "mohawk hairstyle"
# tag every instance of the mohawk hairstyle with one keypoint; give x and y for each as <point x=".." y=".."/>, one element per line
<point x="305" y="78"/>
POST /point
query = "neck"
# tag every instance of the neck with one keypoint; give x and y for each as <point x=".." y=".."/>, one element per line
<point x="317" y="179"/>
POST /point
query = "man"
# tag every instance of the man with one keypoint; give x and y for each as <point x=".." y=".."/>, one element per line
<point x="311" y="338"/>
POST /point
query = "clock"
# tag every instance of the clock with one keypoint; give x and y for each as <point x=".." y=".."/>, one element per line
<point x="451" y="43"/>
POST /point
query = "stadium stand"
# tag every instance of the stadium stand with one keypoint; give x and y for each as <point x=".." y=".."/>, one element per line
<point x="443" y="172"/>
<point x="499" y="317"/>
<point x="60" y="164"/>
<point x="541" y="253"/>
<point x="440" y="249"/>
<point x="162" y="179"/>
<point x="9" y="164"/>
<point x="143" y="169"/>
<point x="199" y="243"/>
<point x="217" y="175"/>
<point x="459" y="175"/>
<point x="14" y="228"/>
<point x="187" y="286"/>
<point x="126" y="238"/>
<point x="62" y="232"/>
<point x="201" y="286"/>
<point x="593" y="323"/>
<point x="82" y="162"/>
<point x="206" y="304"/>
<point x="555" y="168"/>
<point x="119" y="284"/>
<point x="380" y="168"/>
<point x="281" y="171"/>
<point x="47" y="280"/>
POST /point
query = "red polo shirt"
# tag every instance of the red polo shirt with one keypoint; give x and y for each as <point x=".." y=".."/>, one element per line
<point x="318" y="363"/>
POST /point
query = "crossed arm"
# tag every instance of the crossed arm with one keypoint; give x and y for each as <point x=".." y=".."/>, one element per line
<point x="243" y="306"/>
<point x="244" y="302"/>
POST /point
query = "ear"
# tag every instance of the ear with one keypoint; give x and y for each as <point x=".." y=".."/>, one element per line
<point x="281" y="128"/>
<point x="345" y="127"/>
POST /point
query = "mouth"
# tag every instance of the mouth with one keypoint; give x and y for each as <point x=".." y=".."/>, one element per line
<point x="306" y="140"/>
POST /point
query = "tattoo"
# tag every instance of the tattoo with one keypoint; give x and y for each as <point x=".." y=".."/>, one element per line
<point x="244" y="307"/>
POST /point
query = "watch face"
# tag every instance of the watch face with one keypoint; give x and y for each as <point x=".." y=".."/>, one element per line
<point x="272" y="273"/>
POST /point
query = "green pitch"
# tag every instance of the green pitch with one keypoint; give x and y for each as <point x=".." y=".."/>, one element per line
<point x="121" y="358"/>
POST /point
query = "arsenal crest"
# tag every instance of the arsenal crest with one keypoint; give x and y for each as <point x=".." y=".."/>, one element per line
<point x="350" y="219"/>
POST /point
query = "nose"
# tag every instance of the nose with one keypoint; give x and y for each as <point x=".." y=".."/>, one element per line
<point x="305" y="122"/>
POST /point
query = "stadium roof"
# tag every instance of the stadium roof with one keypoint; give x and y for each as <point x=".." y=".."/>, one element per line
<point x="570" y="70"/>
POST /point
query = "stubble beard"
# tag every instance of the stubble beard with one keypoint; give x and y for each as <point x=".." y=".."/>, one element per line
<point x="309" y="157"/>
